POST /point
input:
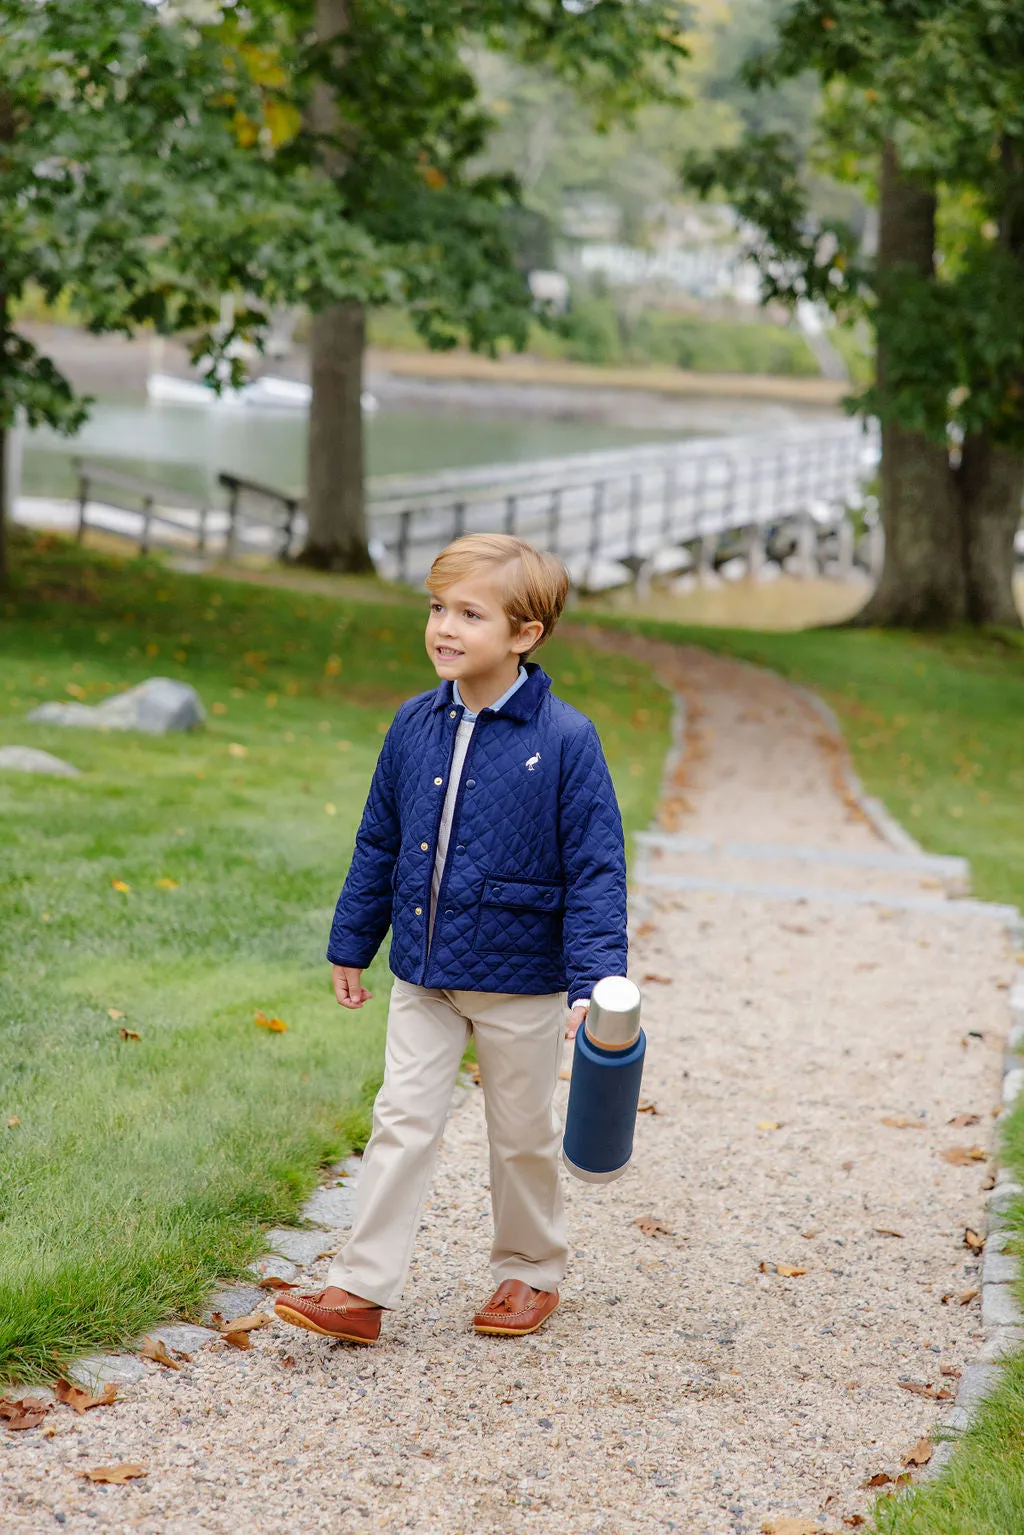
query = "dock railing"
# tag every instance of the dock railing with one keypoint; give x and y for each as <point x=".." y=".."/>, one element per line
<point x="628" y="513"/>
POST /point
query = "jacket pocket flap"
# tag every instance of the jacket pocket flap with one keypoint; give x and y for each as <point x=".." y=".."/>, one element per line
<point x="524" y="894"/>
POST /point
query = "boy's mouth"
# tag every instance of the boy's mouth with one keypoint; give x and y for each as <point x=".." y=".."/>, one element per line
<point x="446" y="653"/>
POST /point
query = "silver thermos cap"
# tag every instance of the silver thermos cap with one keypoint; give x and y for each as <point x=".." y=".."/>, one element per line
<point x="613" y="1019"/>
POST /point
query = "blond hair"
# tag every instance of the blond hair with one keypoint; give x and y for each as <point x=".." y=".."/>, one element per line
<point x="534" y="585"/>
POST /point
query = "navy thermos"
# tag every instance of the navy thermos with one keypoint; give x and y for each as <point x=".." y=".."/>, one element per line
<point x="605" y="1089"/>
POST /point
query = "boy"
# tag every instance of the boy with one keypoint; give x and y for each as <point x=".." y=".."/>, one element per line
<point x="492" y="845"/>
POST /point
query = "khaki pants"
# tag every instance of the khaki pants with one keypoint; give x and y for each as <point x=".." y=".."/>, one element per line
<point x="519" y="1048"/>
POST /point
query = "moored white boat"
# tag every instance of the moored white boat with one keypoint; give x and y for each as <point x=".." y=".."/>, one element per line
<point x="266" y="393"/>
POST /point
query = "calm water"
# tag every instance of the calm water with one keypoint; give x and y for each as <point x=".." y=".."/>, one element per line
<point x="186" y="447"/>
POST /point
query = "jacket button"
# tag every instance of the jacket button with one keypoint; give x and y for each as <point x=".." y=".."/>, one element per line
<point x="424" y="846"/>
<point x="470" y="783"/>
<point x="419" y="911"/>
<point x="449" y="912"/>
<point x="439" y="781"/>
<point x="460" y="848"/>
<point x="452" y="715"/>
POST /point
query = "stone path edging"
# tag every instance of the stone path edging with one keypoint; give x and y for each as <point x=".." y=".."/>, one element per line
<point x="1001" y="1316"/>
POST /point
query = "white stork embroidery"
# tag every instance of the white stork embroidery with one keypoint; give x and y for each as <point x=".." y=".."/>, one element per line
<point x="531" y="762"/>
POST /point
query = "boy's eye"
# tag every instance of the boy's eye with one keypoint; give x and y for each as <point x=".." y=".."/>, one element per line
<point x="471" y="614"/>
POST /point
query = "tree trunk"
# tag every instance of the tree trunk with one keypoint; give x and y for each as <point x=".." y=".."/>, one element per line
<point x="336" y="538"/>
<point x="922" y="585"/>
<point x="989" y="483"/>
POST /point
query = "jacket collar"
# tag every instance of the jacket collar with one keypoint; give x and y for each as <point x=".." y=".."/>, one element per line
<point x="523" y="704"/>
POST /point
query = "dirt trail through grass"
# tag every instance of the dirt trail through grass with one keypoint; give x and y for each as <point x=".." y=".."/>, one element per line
<point x="775" y="1339"/>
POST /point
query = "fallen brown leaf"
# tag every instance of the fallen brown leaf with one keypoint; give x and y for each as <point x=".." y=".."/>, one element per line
<point x="273" y="1283"/>
<point x="249" y="1323"/>
<point x="963" y="1156"/>
<point x="651" y="1226"/>
<point x="934" y="1393"/>
<point x="975" y="1242"/>
<point x="129" y="1034"/>
<point x="275" y="1025"/>
<point x="653" y="979"/>
<point x="14" y="1122"/>
<point x="854" y="1520"/>
<point x="790" y="1527"/>
<point x="237" y="1339"/>
<point x="887" y="1231"/>
<point x="19" y="1413"/>
<point x="900" y="1122"/>
<point x="784" y="1270"/>
<point x="115" y="1475"/>
<point x="648" y="1108"/>
<point x="961" y="1121"/>
<point x="288" y="1361"/>
<point x="115" y="1013"/>
<point x="949" y="1369"/>
<point x="796" y="927"/>
<point x="156" y="1349"/>
<point x="880" y="1479"/>
<point x="74" y="1396"/>
<point x="646" y="929"/>
<point x="920" y="1455"/>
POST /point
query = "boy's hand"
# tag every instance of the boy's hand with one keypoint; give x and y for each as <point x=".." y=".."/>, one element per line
<point x="348" y="988"/>
<point x="576" y="1017"/>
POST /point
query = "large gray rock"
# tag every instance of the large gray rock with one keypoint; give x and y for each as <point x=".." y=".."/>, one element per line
<point x="26" y="759"/>
<point x="154" y="707"/>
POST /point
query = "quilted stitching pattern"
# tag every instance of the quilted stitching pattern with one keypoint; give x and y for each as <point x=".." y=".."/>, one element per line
<point x="534" y="892"/>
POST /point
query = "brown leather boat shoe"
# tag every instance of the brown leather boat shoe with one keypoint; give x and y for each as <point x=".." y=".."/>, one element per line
<point x="515" y="1310"/>
<point x="355" y="1324"/>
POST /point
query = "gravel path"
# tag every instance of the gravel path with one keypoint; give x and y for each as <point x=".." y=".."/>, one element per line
<point x="684" y="1384"/>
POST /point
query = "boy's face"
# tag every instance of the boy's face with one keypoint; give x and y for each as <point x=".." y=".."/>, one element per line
<point x="468" y="635"/>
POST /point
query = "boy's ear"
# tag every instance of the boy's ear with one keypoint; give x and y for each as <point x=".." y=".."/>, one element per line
<point x="528" y="637"/>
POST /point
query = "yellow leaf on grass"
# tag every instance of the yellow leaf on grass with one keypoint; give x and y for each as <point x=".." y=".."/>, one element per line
<point x="115" y="1013"/>
<point x="275" y="1025"/>
<point x="167" y="884"/>
<point x="236" y="749"/>
<point x="13" y="1122"/>
<point x="120" y="884"/>
<point x="330" y="809"/>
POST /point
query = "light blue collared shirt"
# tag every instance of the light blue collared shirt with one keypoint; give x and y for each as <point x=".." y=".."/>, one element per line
<point x="500" y="703"/>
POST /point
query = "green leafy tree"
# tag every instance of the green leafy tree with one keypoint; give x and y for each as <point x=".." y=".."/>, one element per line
<point x="393" y="119"/>
<point x="136" y="177"/>
<point x="924" y="102"/>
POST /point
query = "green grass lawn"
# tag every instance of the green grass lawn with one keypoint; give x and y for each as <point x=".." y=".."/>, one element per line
<point x="133" y="1174"/>
<point x="936" y="730"/>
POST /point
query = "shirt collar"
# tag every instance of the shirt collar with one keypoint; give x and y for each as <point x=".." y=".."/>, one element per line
<point x="499" y="703"/>
<point x="523" y="702"/>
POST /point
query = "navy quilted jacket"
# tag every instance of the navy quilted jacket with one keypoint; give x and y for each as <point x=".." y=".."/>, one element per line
<point x="533" y="897"/>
